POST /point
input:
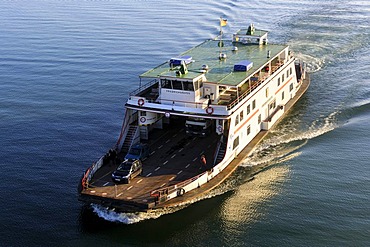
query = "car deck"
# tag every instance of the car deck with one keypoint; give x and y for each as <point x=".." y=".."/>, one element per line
<point x="174" y="157"/>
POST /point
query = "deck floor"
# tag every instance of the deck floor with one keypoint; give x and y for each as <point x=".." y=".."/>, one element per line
<point x="175" y="157"/>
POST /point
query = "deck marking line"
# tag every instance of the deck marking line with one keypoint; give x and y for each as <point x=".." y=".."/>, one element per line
<point x="179" y="172"/>
<point x="129" y="188"/>
<point x="120" y="194"/>
<point x="161" y="146"/>
<point x="106" y="184"/>
<point x="156" y="169"/>
<point x="173" y="156"/>
<point x="152" y="153"/>
<point x="163" y="185"/>
<point x="167" y="141"/>
<point x="187" y="165"/>
<point x="195" y="158"/>
<point x="165" y="162"/>
<point x="148" y="174"/>
<point x="139" y="181"/>
<point x="172" y="178"/>
<point x="201" y="153"/>
<point x="181" y="150"/>
<point x="174" y="135"/>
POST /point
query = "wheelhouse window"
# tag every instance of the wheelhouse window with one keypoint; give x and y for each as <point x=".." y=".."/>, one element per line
<point x="177" y="85"/>
<point x="166" y="83"/>
<point x="188" y="85"/>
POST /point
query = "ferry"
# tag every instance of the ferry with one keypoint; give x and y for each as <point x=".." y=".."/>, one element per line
<point x="192" y="121"/>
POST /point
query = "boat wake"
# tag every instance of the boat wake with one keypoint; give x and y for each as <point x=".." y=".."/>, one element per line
<point x="313" y="64"/>
<point x="285" y="140"/>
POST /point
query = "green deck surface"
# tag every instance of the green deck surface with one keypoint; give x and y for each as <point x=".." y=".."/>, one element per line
<point x="220" y="71"/>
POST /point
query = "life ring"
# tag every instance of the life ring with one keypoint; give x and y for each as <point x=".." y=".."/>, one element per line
<point x="140" y="102"/>
<point x="180" y="191"/>
<point x="142" y="119"/>
<point x="220" y="129"/>
<point x="209" y="110"/>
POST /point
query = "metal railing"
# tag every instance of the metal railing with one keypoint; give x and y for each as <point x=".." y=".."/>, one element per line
<point x="143" y="87"/>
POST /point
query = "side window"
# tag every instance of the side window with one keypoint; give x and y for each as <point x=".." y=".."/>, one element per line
<point x="248" y="109"/>
<point x="241" y="116"/>
<point x="248" y="129"/>
<point x="253" y="104"/>
<point x="279" y="81"/>
<point x="272" y="105"/>
<point x="259" y="119"/>
<point x="236" y="142"/>
<point x="291" y="87"/>
<point x="282" y="95"/>
<point x="236" y="120"/>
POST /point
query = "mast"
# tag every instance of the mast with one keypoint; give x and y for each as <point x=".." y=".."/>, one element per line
<point x="223" y="23"/>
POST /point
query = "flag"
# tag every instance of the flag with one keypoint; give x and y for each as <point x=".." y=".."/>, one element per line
<point x="223" y="22"/>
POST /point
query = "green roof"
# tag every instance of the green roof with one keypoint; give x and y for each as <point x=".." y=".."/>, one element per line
<point x="220" y="71"/>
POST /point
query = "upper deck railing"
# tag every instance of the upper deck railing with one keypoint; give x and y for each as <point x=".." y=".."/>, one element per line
<point x="202" y="104"/>
<point x="143" y="87"/>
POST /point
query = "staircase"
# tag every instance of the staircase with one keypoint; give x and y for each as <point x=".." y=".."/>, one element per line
<point x="221" y="153"/>
<point x="129" y="138"/>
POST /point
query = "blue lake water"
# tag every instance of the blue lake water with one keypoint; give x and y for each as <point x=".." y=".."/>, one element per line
<point x="67" y="67"/>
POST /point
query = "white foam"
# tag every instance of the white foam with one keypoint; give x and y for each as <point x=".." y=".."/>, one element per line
<point x="313" y="64"/>
<point x="276" y="147"/>
<point x="130" y="218"/>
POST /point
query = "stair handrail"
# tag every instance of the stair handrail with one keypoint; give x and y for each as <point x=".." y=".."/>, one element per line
<point x="123" y="130"/>
<point x="217" y="150"/>
<point x="134" y="138"/>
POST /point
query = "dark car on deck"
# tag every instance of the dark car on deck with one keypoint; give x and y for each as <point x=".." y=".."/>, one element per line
<point x="127" y="170"/>
<point x="138" y="151"/>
